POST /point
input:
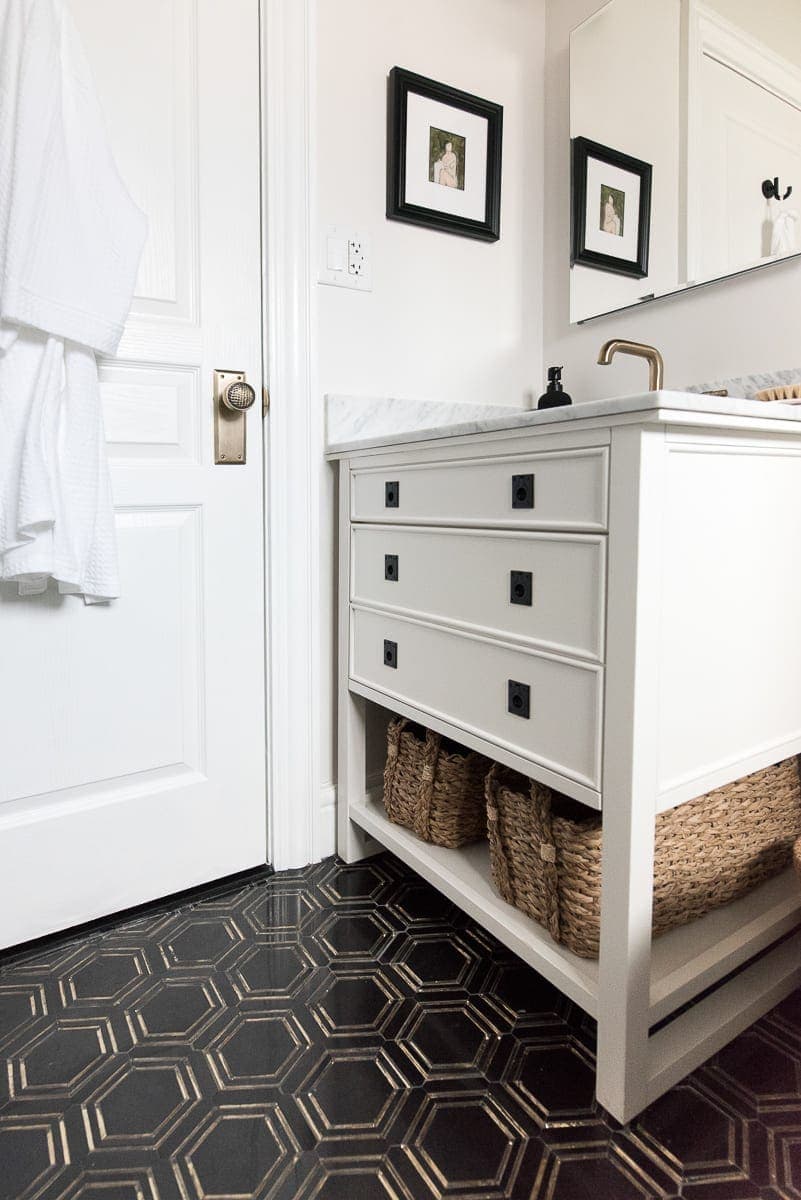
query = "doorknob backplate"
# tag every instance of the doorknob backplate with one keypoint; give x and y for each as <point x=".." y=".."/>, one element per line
<point x="233" y="396"/>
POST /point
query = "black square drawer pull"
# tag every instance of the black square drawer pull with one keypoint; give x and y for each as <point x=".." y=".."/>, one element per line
<point x="391" y="567"/>
<point x="522" y="491"/>
<point x="392" y="494"/>
<point x="519" y="699"/>
<point x="520" y="588"/>
<point x="390" y="654"/>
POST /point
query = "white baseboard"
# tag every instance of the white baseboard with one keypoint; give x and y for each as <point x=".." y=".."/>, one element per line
<point x="327" y="816"/>
<point x="327" y="821"/>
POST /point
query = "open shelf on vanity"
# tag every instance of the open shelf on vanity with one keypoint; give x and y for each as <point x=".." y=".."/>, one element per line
<point x="685" y="961"/>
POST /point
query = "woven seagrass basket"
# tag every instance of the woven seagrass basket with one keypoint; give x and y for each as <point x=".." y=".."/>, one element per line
<point x="434" y="787"/>
<point x="545" y="851"/>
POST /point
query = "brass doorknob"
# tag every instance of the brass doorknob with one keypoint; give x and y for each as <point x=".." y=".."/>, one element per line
<point x="238" y="396"/>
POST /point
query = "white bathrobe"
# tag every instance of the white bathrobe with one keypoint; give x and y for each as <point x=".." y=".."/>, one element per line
<point x="70" y="243"/>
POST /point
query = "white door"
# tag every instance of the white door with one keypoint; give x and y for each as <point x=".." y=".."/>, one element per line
<point x="748" y="134"/>
<point x="132" y="741"/>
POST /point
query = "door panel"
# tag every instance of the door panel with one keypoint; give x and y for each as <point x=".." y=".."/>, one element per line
<point x="145" y="59"/>
<point x="151" y="412"/>
<point x="133" y="734"/>
<point x="127" y="725"/>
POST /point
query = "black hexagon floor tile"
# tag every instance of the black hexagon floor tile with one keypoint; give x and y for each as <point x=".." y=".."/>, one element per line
<point x="60" y="1059"/>
<point x="352" y="1093"/>
<point x="345" y="1033"/>
<point x="33" y="1150"/>
<point x="356" y="1003"/>
<point x="239" y="1151"/>
<point x="174" y="1010"/>
<point x="695" y="1136"/>
<point x="444" y="1039"/>
<point x="416" y="904"/>
<point x="554" y="1078"/>
<point x="758" y="1074"/>
<point x="257" y="1049"/>
<point x="281" y="907"/>
<point x="433" y="962"/>
<point x="20" y="1004"/>
<point x="103" y="975"/>
<point x="200" y="941"/>
<point x="140" y="1104"/>
<point x="579" y="1175"/>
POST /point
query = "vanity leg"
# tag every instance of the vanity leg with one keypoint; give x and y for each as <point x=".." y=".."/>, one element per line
<point x="352" y="843"/>
<point x="624" y="981"/>
<point x="629" y="785"/>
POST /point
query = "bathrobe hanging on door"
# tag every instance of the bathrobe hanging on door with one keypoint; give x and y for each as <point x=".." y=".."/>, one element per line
<point x="70" y="243"/>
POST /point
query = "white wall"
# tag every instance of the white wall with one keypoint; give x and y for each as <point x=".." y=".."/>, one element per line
<point x="448" y="318"/>
<point x="735" y="327"/>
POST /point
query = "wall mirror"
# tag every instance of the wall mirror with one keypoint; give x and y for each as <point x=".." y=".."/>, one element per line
<point x="685" y="120"/>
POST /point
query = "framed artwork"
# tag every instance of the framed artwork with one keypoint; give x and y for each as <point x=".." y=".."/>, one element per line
<point x="443" y="157"/>
<point x="611" y="196"/>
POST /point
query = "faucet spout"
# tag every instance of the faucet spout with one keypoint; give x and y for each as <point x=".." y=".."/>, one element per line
<point x="656" y="364"/>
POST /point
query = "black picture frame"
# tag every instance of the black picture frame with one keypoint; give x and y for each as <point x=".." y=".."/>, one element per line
<point x="401" y="82"/>
<point x="582" y="150"/>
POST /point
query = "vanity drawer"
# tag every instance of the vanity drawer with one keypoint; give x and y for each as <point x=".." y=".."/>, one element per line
<point x="542" y="588"/>
<point x="565" y="490"/>
<point x="486" y="687"/>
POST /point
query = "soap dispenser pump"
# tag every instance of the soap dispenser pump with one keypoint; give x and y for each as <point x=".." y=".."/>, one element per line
<point x="555" y="396"/>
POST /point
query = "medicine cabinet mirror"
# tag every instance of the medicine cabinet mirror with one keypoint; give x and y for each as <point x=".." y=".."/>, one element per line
<point x="708" y="96"/>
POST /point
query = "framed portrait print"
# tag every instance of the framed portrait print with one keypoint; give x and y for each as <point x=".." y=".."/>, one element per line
<point x="611" y="195"/>
<point x="443" y="157"/>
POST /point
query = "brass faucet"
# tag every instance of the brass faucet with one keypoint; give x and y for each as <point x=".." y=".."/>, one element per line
<point x="656" y="364"/>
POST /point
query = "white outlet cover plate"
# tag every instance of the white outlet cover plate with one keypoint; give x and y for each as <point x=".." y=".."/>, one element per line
<point x="343" y="278"/>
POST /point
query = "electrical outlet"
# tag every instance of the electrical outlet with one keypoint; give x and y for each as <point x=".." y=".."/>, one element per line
<point x="345" y="259"/>
<point x="355" y="256"/>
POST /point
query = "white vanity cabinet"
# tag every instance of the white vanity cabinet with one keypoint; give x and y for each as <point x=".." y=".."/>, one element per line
<point x="609" y="603"/>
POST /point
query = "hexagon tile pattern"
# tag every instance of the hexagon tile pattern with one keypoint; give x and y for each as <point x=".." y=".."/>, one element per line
<point x="345" y="1033"/>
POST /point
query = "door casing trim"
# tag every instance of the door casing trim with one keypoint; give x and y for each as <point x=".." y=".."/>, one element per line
<point x="293" y="434"/>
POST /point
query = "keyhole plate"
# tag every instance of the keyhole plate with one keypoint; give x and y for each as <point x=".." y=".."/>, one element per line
<point x="520" y="588"/>
<point x="519" y="699"/>
<point x="230" y="428"/>
<point x="522" y="491"/>
<point x="392" y="493"/>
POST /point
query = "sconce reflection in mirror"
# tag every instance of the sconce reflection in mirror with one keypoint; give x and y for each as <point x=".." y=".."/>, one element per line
<point x="772" y="191"/>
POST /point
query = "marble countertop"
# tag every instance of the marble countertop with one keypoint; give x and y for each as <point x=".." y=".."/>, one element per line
<point x="354" y="425"/>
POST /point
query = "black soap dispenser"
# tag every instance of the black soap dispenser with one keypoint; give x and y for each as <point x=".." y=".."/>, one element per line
<point x="555" y="396"/>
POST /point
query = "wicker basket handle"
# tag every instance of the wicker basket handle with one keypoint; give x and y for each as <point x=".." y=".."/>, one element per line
<point x="543" y="823"/>
<point x="427" y="777"/>
<point x="547" y="878"/>
<point x="503" y="879"/>
<point x="394" y="731"/>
